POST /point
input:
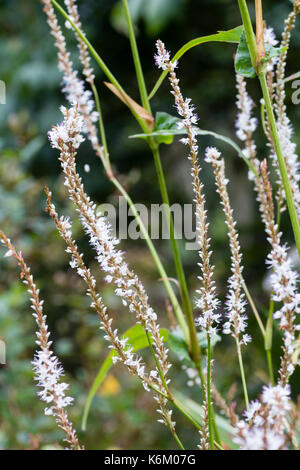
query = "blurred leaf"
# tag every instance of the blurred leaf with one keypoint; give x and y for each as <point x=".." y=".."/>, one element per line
<point x="155" y="13"/>
<point x="179" y="346"/>
<point x="231" y="36"/>
<point x="137" y="338"/>
<point x="31" y="149"/>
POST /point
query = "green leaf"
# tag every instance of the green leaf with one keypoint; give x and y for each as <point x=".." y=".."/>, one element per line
<point x="165" y="128"/>
<point x="137" y="339"/>
<point x="166" y="124"/>
<point x="242" y="62"/>
<point x="179" y="346"/>
<point x="196" y="412"/>
<point x="231" y="36"/>
<point x="272" y="52"/>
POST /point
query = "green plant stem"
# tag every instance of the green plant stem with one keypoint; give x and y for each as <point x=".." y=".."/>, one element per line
<point x="106" y="163"/>
<point x="187" y="308"/>
<point x="250" y="36"/>
<point x="208" y="393"/>
<point x="281" y="161"/>
<point x="177" y="309"/>
<point x="183" y="412"/>
<point x="102" y="65"/>
<point x="238" y="346"/>
<point x="254" y="309"/>
<point x="270" y="366"/>
<point x="195" y="350"/>
<point x="260" y="70"/>
<point x="269" y="340"/>
<point x="169" y="395"/>
<point x="136" y="59"/>
<point x="145" y="128"/>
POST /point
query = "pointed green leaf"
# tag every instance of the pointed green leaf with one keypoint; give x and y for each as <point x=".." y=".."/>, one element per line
<point x="231" y="36"/>
<point x="137" y="339"/>
<point x="165" y="128"/>
<point x="242" y="62"/>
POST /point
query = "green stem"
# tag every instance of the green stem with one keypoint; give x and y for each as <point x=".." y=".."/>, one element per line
<point x="281" y="161"/>
<point x="193" y="342"/>
<point x="269" y="340"/>
<point x="101" y="124"/>
<point x="177" y="309"/>
<point x="102" y="65"/>
<point x="195" y="350"/>
<point x="250" y="36"/>
<point x="270" y="366"/>
<point x="260" y="69"/>
<point x="208" y="393"/>
<point x="183" y="412"/>
<point x="164" y="383"/>
<point x="254" y="309"/>
<point x="242" y="372"/>
<point x="136" y="59"/>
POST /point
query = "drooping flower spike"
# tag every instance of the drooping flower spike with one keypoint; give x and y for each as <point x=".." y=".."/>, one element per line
<point x="47" y="368"/>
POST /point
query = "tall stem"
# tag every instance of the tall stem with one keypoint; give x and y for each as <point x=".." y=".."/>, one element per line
<point x="136" y="59"/>
<point x="250" y="36"/>
<point x="269" y="340"/>
<point x="187" y="307"/>
<point x="238" y="346"/>
<point x="254" y="309"/>
<point x="281" y="161"/>
<point x="208" y="394"/>
<point x="177" y="309"/>
<point x="260" y="69"/>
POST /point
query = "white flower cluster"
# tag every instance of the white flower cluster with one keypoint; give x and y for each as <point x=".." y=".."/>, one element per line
<point x="73" y="87"/>
<point x="207" y="301"/>
<point x="289" y="149"/>
<point x="67" y="135"/>
<point x="245" y="123"/>
<point x="271" y="41"/>
<point x="284" y="281"/>
<point x="209" y="304"/>
<point x="123" y="352"/>
<point x="46" y="367"/>
<point x="111" y="261"/>
<point x="163" y="58"/>
<point x="265" y="424"/>
<point x="48" y="372"/>
<point x="284" y="126"/>
<point x="75" y="92"/>
<point x="235" y="304"/>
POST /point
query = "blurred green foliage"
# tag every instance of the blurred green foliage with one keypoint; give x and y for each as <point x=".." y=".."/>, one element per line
<point x="122" y="413"/>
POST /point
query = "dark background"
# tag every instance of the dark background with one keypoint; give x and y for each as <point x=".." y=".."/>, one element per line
<point x="122" y="415"/>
